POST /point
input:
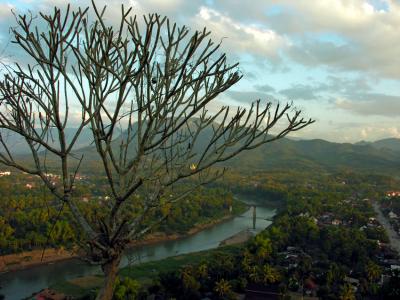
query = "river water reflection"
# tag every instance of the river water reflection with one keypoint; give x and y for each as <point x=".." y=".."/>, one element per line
<point x="20" y="284"/>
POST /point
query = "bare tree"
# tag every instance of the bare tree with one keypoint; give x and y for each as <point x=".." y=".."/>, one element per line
<point x="143" y="88"/>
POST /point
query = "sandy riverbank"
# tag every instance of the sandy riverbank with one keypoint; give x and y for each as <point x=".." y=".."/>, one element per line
<point x="239" y="238"/>
<point x="27" y="259"/>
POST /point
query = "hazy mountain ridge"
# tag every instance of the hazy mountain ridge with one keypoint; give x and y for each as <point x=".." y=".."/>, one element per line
<point x="321" y="155"/>
<point x="387" y="143"/>
<point x="18" y="145"/>
<point x="287" y="154"/>
<point x="310" y="155"/>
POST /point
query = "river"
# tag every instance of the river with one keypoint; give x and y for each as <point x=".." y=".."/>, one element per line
<point x="20" y="284"/>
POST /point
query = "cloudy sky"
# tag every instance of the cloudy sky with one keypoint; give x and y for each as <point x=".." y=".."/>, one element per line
<point x="337" y="60"/>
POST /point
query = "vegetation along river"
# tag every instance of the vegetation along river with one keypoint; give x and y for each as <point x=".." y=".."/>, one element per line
<point x="20" y="284"/>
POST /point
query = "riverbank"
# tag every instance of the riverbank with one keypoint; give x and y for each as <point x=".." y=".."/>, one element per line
<point x="145" y="273"/>
<point x="28" y="259"/>
<point x="239" y="238"/>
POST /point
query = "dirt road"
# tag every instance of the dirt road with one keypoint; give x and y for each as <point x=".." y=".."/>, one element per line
<point x="393" y="236"/>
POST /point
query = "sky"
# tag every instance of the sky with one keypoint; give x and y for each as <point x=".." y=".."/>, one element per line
<point x="336" y="60"/>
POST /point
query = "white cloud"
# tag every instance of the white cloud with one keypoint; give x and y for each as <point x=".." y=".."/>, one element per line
<point x="165" y="5"/>
<point x="393" y="131"/>
<point x="350" y="132"/>
<point x="240" y="37"/>
<point x="364" y="133"/>
<point x="369" y="104"/>
<point x="371" y="37"/>
<point x="379" y="131"/>
<point x="5" y="10"/>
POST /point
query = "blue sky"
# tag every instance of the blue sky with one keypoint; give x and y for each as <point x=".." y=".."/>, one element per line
<point x="337" y="60"/>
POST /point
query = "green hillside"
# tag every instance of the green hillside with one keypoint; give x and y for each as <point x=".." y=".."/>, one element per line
<point x="286" y="154"/>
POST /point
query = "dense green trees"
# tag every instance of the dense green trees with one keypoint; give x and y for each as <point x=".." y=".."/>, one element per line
<point x="6" y="232"/>
<point x="301" y="249"/>
<point x="126" y="289"/>
<point x="29" y="219"/>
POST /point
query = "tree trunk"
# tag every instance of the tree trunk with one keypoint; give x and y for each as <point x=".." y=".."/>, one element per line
<point x="110" y="272"/>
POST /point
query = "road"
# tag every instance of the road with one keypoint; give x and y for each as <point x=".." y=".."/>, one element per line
<point x="393" y="236"/>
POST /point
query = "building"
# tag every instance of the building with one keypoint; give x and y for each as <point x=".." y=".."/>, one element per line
<point x="393" y="194"/>
<point x="392" y="215"/>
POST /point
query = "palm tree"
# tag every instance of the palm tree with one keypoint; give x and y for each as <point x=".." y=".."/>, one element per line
<point x="188" y="279"/>
<point x="270" y="274"/>
<point x="202" y="270"/>
<point x="247" y="261"/>
<point x="254" y="274"/>
<point x="347" y="293"/>
<point x="223" y="288"/>
<point x="263" y="246"/>
<point x="373" y="271"/>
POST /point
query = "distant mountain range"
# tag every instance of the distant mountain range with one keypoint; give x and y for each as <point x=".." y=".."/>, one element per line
<point x="321" y="155"/>
<point x="389" y="143"/>
<point x="382" y="156"/>
<point x="18" y="145"/>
